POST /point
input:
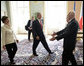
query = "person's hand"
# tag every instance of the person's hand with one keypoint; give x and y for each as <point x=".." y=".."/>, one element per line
<point x="4" y="47"/>
<point x="53" y="34"/>
<point x="37" y="38"/>
<point x="30" y="28"/>
<point x="52" y="39"/>
<point x="17" y="41"/>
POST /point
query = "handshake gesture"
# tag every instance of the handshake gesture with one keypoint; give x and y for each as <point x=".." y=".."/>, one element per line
<point x="53" y="37"/>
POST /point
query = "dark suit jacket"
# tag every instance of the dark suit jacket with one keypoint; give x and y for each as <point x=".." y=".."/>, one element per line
<point x="69" y="34"/>
<point x="28" y="24"/>
<point x="37" y="30"/>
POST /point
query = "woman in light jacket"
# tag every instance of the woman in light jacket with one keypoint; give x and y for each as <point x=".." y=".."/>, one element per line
<point x="8" y="39"/>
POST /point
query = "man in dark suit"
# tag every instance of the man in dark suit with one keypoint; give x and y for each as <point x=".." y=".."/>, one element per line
<point x="29" y="27"/>
<point x="39" y="35"/>
<point x="69" y="34"/>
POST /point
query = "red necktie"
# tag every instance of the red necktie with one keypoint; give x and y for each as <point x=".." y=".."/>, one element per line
<point x="41" y="24"/>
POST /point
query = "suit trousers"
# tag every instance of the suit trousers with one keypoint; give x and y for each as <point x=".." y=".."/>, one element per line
<point x="68" y="56"/>
<point x="29" y="33"/>
<point x="43" y="41"/>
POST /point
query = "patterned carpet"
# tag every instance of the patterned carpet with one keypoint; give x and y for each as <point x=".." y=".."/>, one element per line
<point x="24" y="54"/>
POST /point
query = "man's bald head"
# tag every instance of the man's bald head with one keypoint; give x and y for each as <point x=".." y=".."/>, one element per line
<point x="70" y="16"/>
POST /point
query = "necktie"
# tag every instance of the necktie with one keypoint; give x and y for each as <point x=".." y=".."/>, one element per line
<point x="41" y="24"/>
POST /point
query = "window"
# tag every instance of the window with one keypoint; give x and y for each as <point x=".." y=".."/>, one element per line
<point x="55" y="15"/>
<point x="20" y="15"/>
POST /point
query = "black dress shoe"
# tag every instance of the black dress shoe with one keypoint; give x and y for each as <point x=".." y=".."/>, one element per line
<point x="35" y="54"/>
<point x="12" y="63"/>
<point x="51" y="52"/>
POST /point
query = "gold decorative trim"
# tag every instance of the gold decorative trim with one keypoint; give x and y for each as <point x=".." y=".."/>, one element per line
<point x="30" y="8"/>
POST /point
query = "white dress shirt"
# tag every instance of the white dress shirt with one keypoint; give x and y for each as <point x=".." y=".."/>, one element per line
<point x="8" y="35"/>
<point x="40" y="20"/>
<point x="31" y="23"/>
